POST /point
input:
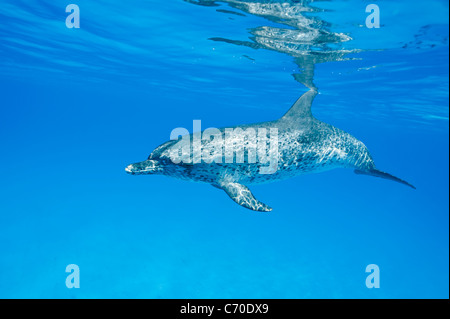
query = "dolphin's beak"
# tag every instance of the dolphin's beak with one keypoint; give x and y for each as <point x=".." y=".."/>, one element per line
<point x="129" y="168"/>
<point x="142" y="168"/>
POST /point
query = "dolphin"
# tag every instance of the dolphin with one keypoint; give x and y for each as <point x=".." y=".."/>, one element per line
<point x="303" y="145"/>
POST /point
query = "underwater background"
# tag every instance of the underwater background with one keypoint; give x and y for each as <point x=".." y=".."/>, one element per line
<point x="80" y="104"/>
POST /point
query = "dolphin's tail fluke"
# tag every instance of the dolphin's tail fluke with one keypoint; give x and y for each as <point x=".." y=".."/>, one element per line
<point x="377" y="173"/>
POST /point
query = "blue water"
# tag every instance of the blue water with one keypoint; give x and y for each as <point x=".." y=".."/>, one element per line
<point x="78" y="105"/>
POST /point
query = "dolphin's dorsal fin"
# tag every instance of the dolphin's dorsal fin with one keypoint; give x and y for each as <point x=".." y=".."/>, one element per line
<point x="302" y="108"/>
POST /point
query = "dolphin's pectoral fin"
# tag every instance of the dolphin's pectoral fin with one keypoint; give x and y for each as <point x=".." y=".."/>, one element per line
<point x="244" y="197"/>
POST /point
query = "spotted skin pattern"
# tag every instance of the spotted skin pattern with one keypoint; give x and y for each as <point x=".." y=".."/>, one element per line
<point x="305" y="145"/>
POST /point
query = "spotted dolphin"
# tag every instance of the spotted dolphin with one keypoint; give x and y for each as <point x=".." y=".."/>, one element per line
<point x="304" y="145"/>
